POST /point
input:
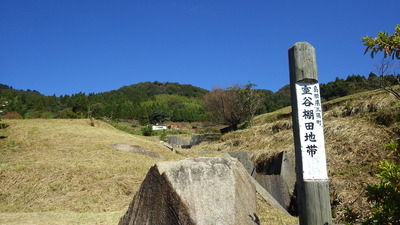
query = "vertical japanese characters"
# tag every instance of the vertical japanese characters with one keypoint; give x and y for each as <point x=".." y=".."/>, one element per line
<point x="311" y="130"/>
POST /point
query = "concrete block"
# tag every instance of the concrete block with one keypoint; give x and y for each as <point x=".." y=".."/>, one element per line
<point x="277" y="187"/>
<point x="288" y="172"/>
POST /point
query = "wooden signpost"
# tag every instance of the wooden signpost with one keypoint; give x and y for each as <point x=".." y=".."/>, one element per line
<point x="311" y="170"/>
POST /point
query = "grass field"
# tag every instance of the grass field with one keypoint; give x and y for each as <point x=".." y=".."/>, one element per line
<point x="67" y="172"/>
<point x="356" y="128"/>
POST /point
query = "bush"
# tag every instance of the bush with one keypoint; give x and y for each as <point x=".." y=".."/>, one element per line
<point x="163" y="136"/>
<point x="387" y="117"/>
<point x="67" y="114"/>
<point x="384" y="195"/>
<point x="39" y="114"/>
<point x="147" y="131"/>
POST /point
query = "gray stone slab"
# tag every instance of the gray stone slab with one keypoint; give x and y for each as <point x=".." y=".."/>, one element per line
<point x="276" y="186"/>
<point x="245" y="159"/>
<point x="268" y="197"/>
<point x="177" y="141"/>
<point x="288" y="172"/>
<point x="206" y="190"/>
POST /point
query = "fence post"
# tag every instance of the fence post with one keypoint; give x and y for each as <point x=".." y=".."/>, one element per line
<point x="311" y="170"/>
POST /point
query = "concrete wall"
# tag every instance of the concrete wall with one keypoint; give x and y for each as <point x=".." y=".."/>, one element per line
<point x="276" y="175"/>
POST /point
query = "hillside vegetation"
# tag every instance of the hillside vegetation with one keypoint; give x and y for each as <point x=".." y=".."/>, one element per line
<point x="155" y="102"/>
<point x="356" y="128"/>
<point x="69" y="170"/>
<point x="64" y="171"/>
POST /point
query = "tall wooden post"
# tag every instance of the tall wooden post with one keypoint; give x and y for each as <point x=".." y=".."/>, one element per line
<point x="311" y="170"/>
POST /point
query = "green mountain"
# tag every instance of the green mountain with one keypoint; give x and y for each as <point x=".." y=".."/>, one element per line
<point x="142" y="101"/>
<point x="153" y="102"/>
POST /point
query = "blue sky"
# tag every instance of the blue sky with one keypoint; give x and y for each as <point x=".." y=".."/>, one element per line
<point x="70" y="46"/>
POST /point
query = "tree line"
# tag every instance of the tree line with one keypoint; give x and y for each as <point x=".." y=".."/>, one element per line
<point x="145" y="102"/>
<point x="156" y="102"/>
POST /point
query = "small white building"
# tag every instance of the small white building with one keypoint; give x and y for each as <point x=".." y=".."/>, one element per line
<point x="158" y="127"/>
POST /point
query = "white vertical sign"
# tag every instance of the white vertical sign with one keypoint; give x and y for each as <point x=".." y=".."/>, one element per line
<point x="311" y="131"/>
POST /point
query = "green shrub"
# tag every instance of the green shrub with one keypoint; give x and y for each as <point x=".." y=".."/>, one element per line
<point x="147" y="131"/>
<point x="163" y="136"/>
<point x="67" y="113"/>
<point x="387" y="117"/>
<point x="351" y="217"/>
<point x="384" y="195"/>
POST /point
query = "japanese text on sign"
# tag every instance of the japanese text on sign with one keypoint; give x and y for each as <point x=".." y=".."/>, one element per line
<point x="311" y="131"/>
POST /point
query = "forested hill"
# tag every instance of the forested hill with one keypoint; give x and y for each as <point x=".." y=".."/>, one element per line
<point x="150" y="89"/>
<point x="145" y="91"/>
<point x="5" y="88"/>
<point x="152" y="102"/>
<point x="135" y="101"/>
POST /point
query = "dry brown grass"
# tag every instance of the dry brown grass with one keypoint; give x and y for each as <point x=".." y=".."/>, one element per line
<point x="60" y="218"/>
<point x="353" y="137"/>
<point x="55" y="165"/>
<point x="359" y="104"/>
<point x="354" y="147"/>
<point x="270" y="216"/>
<point x="67" y="172"/>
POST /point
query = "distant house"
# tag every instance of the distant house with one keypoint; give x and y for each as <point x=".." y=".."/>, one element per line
<point x="159" y="127"/>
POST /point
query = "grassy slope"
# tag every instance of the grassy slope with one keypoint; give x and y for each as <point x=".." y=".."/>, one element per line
<point x="66" y="172"/>
<point x="56" y="165"/>
<point x="354" y="139"/>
